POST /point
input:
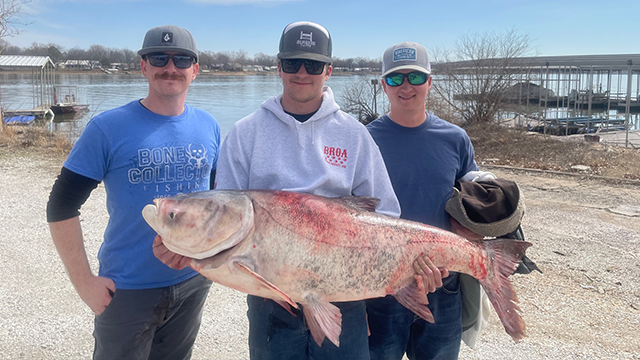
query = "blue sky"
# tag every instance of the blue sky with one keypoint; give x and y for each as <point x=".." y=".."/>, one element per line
<point x="359" y="28"/>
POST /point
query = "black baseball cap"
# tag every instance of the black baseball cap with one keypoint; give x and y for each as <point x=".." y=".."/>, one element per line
<point x="169" y="38"/>
<point x="305" y="40"/>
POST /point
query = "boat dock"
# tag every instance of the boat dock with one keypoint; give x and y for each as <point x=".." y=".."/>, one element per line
<point x="38" y="112"/>
<point x="20" y="120"/>
<point x="42" y="80"/>
<point x="540" y="86"/>
<point x="576" y="125"/>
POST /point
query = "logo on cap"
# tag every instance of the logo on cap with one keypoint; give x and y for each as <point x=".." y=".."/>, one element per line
<point x="404" y="54"/>
<point x="306" y="40"/>
<point x="167" y="37"/>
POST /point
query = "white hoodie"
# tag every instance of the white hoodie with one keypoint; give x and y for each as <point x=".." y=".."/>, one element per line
<point x="331" y="154"/>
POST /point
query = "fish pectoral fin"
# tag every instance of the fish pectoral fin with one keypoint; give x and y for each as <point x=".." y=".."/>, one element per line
<point x="286" y="306"/>
<point x="324" y="320"/>
<point x="267" y="284"/>
<point x="413" y="298"/>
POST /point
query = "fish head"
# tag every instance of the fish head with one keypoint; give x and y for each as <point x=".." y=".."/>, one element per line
<point x="201" y="224"/>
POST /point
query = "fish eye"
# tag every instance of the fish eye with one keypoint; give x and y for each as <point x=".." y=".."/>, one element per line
<point x="172" y="214"/>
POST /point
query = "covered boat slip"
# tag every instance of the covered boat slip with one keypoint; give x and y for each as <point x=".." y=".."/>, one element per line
<point x="565" y="90"/>
<point x="42" y="82"/>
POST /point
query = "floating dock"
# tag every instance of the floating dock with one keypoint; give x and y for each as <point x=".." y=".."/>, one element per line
<point x="38" y="112"/>
<point x="577" y="125"/>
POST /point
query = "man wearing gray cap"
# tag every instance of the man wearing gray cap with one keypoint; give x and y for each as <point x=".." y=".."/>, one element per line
<point x="149" y="148"/>
<point x="425" y="155"/>
<point x="301" y="141"/>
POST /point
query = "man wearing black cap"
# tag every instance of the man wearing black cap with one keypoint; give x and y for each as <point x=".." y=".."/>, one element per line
<point x="425" y="155"/>
<point x="301" y="141"/>
<point x="149" y="148"/>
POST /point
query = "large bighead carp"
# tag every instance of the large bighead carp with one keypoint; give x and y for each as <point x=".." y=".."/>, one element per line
<point x="304" y="249"/>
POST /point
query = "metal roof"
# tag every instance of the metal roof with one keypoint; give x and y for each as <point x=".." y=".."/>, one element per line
<point x="621" y="61"/>
<point x="24" y="61"/>
<point x="597" y="62"/>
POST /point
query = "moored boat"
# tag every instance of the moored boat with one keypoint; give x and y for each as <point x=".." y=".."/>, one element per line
<point x="69" y="103"/>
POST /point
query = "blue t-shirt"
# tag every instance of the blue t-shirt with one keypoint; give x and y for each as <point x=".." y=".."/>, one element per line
<point x="140" y="156"/>
<point x="423" y="163"/>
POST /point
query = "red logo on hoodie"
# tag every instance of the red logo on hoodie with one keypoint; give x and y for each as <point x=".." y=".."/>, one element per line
<point x="335" y="156"/>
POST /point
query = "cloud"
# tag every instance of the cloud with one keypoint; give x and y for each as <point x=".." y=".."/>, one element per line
<point x="26" y="38"/>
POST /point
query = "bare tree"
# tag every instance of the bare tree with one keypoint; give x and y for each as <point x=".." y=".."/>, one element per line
<point x="476" y="76"/>
<point x="9" y="12"/>
<point x="7" y="49"/>
<point x="240" y="56"/>
<point x="264" y="59"/>
<point x="76" y="53"/>
<point x="99" y="53"/>
<point x="207" y="60"/>
<point x="352" y="63"/>
<point x="362" y="100"/>
<point x="130" y="58"/>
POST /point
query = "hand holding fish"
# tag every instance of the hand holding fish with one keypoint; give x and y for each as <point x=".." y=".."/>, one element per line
<point x="430" y="274"/>
<point x="169" y="258"/>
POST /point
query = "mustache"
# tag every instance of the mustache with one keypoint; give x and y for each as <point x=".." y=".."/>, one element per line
<point x="168" y="76"/>
<point x="299" y="79"/>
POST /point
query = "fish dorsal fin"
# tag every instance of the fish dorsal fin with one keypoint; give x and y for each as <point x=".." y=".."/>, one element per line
<point x="363" y="203"/>
<point x="280" y="294"/>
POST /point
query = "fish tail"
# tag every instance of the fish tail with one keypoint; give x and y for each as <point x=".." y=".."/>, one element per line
<point x="505" y="255"/>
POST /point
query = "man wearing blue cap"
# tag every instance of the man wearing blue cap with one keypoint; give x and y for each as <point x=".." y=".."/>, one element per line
<point x="425" y="155"/>
<point x="149" y="148"/>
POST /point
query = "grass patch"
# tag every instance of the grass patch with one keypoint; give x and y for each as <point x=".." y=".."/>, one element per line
<point x="505" y="146"/>
<point x="33" y="137"/>
<point x="494" y="145"/>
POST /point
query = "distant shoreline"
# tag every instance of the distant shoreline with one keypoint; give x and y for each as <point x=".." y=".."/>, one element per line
<point x="200" y="73"/>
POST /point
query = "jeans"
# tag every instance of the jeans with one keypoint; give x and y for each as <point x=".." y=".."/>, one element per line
<point x="396" y="329"/>
<point x="275" y="334"/>
<point x="160" y="323"/>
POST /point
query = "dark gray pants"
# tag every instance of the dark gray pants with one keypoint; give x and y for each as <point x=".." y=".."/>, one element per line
<point x="159" y="323"/>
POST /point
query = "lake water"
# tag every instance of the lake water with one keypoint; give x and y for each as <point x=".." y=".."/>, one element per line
<point x="227" y="98"/>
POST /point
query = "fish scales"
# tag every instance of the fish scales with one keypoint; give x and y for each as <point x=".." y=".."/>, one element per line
<point x="350" y="249"/>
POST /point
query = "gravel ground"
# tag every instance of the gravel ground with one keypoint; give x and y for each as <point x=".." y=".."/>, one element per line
<point x="586" y="305"/>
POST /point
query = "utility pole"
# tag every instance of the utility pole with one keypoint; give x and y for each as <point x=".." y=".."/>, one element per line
<point x="374" y="82"/>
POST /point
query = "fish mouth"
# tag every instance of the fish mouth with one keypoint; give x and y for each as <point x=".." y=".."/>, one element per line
<point x="150" y="214"/>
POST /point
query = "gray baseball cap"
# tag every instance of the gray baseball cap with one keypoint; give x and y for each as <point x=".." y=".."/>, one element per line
<point x="305" y="40"/>
<point x="406" y="55"/>
<point x="169" y="38"/>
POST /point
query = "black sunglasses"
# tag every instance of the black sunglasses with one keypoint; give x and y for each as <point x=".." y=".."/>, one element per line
<point x="414" y="78"/>
<point x="292" y="66"/>
<point x="181" y="61"/>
